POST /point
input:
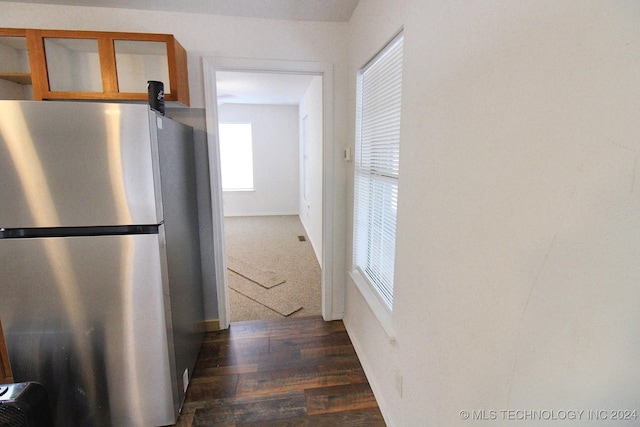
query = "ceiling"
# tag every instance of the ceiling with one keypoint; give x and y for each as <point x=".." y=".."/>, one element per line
<point x="295" y="10"/>
<point x="261" y="88"/>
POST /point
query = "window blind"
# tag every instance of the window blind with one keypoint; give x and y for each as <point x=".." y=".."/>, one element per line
<point x="377" y="167"/>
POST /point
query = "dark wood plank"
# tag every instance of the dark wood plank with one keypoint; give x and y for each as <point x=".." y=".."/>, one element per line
<point x="246" y="360"/>
<point x="205" y="372"/>
<point x="358" y="418"/>
<point x="283" y="372"/>
<point x="210" y="388"/>
<point x="306" y="342"/>
<point x="295" y="379"/>
<point x="272" y="407"/>
<point x="284" y="327"/>
<point x="336" y="350"/>
<point x="340" y="398"/>
<point x="238" y="347"/>
<point x="217" y="413"/>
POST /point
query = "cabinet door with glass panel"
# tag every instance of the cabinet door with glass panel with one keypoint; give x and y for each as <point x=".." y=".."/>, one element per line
<point x="106" y="65"/>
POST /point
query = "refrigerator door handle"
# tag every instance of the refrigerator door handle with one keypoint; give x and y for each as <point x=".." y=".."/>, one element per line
<point x="109" y="230"/>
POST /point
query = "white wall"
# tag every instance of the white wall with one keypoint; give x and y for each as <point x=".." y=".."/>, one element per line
<point x="221" y="36"/>
<point x="275" y="160"/>
<point x="310" y="111"/>
<point x="519" y="215"/>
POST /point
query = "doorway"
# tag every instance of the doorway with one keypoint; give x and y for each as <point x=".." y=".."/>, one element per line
<point x="211" y="67"/>
<point x="270" y="139"/>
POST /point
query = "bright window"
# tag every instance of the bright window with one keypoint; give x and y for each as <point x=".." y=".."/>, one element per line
<point x="376" y="170"/>
<point x="236" y="156"/>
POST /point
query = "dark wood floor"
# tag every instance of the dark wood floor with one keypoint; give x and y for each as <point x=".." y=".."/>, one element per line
<point x="289" y="372"/>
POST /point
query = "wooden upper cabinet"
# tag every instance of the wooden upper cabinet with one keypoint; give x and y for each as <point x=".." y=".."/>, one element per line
<point x="15" y="72"/>
<point x="5" y="368"/>
<point x="92" y="65"/>
<point x="15" y="59"/>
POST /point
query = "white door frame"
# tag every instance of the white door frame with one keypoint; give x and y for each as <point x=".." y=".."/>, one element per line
<point x="330" y="311"/>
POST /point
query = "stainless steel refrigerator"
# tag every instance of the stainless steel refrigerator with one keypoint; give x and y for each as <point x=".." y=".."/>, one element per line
<point x="100" y="280"/>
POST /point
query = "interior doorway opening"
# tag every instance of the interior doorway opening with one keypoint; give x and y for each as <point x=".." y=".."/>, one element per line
<point x="329" y="308"/>
<point x="271" y="176"/>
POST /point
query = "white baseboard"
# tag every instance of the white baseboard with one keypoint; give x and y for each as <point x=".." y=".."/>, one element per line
<point x="262" y="214"/>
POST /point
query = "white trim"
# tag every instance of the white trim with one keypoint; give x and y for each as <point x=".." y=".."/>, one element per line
<point x="217" y="215"/>
<point x="313" y="246"/>
<point x="332" y="293"/>
<point x="292" y="213"/>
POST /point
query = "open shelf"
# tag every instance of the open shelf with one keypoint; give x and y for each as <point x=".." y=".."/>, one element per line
<point x="20" y="78"/>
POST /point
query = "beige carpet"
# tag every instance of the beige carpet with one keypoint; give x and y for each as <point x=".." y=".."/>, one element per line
<point x="269" y="250"/>
<point x="283" y="303"/>
<point x="266" y="279"/>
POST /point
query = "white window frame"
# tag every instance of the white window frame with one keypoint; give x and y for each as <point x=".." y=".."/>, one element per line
<point x="376" y="171"/>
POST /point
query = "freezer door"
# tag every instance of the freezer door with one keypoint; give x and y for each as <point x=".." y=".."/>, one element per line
<point x="87" y="318"/>
<point x="75" y="164"/>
